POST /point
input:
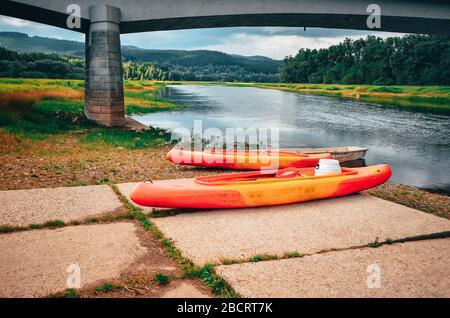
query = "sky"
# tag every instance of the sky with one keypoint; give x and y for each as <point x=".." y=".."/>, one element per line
<point x="274" y="42"/>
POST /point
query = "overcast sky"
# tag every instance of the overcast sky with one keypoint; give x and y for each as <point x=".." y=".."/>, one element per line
<point x="273" y="42"/>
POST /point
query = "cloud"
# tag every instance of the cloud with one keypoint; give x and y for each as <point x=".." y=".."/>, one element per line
<point x="275" y="42"/>
<point x="13" y="22"/>
<point x="275" y="46"/>
<point x="38" y="29"/>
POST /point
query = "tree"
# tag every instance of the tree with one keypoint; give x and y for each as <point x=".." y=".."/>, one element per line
<point x="410" y="60"/>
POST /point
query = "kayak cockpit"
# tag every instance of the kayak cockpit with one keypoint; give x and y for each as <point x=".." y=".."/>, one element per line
<point x="290" y="173"/>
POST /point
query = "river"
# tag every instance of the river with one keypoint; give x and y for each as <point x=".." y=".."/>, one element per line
<point x="415" y="144"/>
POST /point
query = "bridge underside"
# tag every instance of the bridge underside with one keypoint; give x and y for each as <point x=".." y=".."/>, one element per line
<point x="103" y="24"/>
<point x="336" y="21"/>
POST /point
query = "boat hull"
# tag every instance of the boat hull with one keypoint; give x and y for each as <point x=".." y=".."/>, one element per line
<point x="343" y="154"/>
<point x="212" y="193"/>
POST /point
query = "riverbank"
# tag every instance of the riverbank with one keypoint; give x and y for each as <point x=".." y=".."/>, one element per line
<point x="46" y="142"/>
<point x="140" y="96"/>
<point x="434" y="99"/>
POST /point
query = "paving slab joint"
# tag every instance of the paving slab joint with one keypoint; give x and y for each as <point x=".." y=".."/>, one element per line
<point x="296" y="254"/>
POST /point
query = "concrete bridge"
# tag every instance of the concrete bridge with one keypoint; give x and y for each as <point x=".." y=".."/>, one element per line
<point x="103" y="22"/>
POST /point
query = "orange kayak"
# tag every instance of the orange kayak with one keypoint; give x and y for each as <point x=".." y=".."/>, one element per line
<point x="245" y="159"/>
<point x="249" y="189"/>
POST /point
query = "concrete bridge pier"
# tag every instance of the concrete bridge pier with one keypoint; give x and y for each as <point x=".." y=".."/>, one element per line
<point x="104" y="100"/>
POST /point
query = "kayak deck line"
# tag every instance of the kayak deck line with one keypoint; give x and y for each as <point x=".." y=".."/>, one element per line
<point x="261" y="177"/>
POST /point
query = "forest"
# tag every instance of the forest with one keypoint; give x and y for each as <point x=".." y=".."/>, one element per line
<point x="197" y="65"/>
<point x="39" y="65"/>
<point x="408" y="60"/>
<point x="42" y="65"/>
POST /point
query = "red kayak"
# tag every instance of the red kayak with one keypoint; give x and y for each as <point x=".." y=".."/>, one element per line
<point x="256" y="188"/>
<point x="245" y="159"/>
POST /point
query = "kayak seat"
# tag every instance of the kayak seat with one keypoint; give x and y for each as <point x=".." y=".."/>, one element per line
<point x="289" y="172"/>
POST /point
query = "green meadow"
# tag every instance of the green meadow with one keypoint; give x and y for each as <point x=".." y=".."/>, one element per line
<point x="37" y="109"/>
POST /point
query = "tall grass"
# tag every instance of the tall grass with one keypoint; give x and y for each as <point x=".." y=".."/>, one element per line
<point x="38" y="109"/>
<point x="21" y="84"/>
<point x="125" y="138"/>
<point x="40" y="119"/>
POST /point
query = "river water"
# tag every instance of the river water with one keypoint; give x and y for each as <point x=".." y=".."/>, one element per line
<point x="415" y="144"/>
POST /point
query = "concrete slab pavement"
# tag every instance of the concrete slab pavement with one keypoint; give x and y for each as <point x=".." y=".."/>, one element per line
<point x="35" y="263"/>
<point x="413" y="269"/>
<point x="309" y="227"/>
<point x="36" y="206"/>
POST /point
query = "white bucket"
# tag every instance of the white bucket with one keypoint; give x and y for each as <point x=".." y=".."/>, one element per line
<point x="327" y="166"/>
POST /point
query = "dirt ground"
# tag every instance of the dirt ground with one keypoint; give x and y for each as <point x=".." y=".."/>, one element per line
<point x="64" y="161"/>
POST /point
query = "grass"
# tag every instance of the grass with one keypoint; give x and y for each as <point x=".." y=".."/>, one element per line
<point x="10" y="229"/>
<point x="415" y="198"/>
<point x="229" y="261"/>
<point x="144" y="101"/>
<point x="70" y="293"/>
<point x="208" y="276"/>
<point x="294" y="254"/>
<point x="378" y="243"/>
<point x="42" y="119"/>
<point x="125" y="138"/>
<point x="105" y="288"/>
<point x="39" y="109"/>
<point x="162" y="279"/>
<point x="49" y="225"/>
<point x="375" y="243"/>
<point x="52" y="224"/>
<point x="263" y="257"/>
<point x="260" y="258"/>
<point x="58" y="223"/>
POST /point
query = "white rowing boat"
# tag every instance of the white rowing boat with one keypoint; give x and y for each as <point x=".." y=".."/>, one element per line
<point x="343" y="154"/>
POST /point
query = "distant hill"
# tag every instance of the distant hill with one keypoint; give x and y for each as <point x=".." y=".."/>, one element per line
<point x="197" y="58"/>
<point x="181" y="64"/>
<point x="254" y="57"/>
<point x="22" y="43"/>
